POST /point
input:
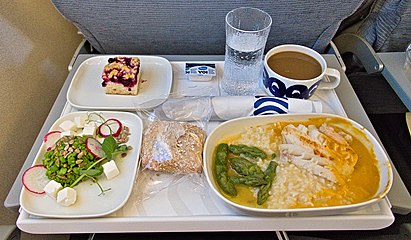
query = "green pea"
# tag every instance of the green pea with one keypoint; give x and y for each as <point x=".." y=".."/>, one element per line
<point x="62" y="171"/>
<point x="71" y="161"/>
<point x="48" y="154"/>
<point x="53" y="168"/>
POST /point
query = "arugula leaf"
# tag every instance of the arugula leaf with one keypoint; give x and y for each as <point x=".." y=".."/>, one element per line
<point x="92" y="172"/>
<point x="109" y="146"/>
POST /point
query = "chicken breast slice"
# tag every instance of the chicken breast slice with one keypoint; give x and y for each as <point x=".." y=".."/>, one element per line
<point x="335" y="149"/>
<point x="305" y="158"/>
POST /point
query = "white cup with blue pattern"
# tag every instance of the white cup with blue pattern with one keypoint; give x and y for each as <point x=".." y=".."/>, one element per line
<point x="280" y="86"/>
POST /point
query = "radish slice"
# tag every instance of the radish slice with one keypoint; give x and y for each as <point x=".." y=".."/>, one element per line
<point x="110" y="127"/>
<point x="94" y="147"/>
<point x="51" y="138"/>
<point x="34" y="179"/>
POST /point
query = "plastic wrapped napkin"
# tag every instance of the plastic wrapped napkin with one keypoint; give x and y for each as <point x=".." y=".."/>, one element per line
<point x="226" y="108"/>
<point x="230" y="107"/>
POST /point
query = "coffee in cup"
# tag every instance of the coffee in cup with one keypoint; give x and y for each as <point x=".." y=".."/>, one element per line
<point x="296" y="71"/>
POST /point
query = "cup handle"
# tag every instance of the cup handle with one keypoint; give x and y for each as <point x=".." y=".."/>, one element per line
<point x="333" y="76"/>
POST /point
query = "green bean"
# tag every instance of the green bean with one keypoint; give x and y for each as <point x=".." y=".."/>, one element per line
<point x="263" y="193"/>
<point x="221" y="170"/>
<point x="250" y="152"/>
<point x="246" y="168"/>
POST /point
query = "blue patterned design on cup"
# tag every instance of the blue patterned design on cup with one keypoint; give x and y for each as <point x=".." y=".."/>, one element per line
<point x="269" y="105"/>
<point x="311" y="90"/>
<point x="278" y="89"/>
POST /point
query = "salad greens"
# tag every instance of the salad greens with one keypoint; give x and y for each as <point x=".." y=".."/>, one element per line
<point x="69" y="167"/>
<point x="73" y="159"/>
<point x="110" y="148"/>
<point x="67" y="159"/>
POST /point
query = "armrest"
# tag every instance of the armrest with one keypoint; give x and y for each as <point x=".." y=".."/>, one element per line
<point x="334" y="50"/>
<point x="81" y="49"/>
<point x="353" y="43"/>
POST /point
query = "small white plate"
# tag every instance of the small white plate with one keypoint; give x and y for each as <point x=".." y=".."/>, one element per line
<point x="89" y="203"/>
<point x="86" y="91"/>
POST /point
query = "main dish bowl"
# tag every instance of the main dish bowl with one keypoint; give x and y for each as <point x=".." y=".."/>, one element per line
<point x="231" y="131"/>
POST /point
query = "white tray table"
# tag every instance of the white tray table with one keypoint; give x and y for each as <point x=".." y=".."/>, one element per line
<point x="188" y="206"/>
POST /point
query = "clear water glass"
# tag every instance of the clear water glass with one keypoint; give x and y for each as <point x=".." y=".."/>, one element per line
<point x="247" y="30"/>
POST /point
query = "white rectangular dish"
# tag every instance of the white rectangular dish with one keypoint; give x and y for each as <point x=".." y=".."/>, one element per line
<point x="86" y="91"/>
<point x="88" y="192"/>
<point x="186" y="206"/>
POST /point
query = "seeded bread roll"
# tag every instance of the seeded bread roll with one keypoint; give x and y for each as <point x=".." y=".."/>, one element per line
<point x="174" y="147"/>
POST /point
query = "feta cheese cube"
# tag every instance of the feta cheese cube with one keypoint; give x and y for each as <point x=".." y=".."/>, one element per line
<point x="89" y="131"/>
<point x="67" y="196"/>
<point x="67" y="133"/>
<point x="68" y="125"/>
<point x="52" y="188"/>
<point x="79" y="121"/>
<point x="110" y="169"/>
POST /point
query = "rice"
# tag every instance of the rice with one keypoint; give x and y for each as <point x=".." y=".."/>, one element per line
<point x="294" y="187"/>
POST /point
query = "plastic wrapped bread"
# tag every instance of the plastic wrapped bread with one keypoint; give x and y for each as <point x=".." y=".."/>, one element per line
<point x="172" y="146"/>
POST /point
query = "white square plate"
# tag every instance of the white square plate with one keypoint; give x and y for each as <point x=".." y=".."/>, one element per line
<point x="89" y="203"/>
<point x="86" y="91"/>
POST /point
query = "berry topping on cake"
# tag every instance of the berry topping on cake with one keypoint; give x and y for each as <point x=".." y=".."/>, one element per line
<point x="121" y="75"/>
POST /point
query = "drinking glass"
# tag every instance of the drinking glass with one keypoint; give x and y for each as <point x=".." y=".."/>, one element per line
<point x="247" y="30"/>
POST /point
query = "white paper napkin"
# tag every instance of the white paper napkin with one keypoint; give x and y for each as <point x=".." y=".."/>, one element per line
<point x="230" y="107"/>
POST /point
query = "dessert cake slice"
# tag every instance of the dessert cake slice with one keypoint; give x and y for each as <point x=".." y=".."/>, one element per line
<point x="121" y="76"/>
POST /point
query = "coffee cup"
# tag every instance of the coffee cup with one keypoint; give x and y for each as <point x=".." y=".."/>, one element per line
<point x="296" y="71"/>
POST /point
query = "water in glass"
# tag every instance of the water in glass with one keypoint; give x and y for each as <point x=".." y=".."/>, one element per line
<point x="247" y="30"/>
